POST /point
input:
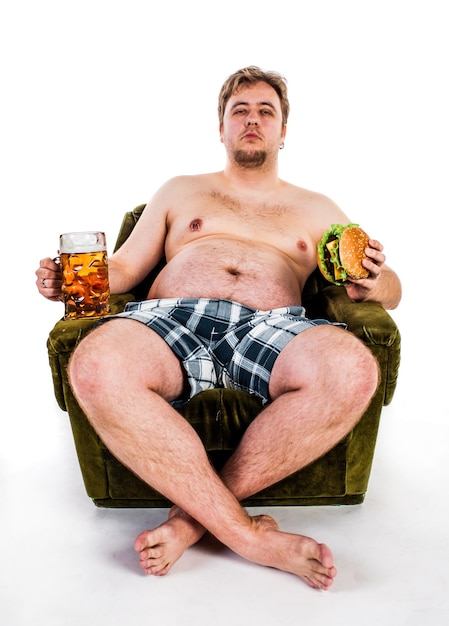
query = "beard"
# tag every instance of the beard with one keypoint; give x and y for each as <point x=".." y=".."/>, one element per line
<point x="250" y="160"/>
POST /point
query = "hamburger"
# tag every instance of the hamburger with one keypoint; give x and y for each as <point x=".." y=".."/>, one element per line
<point x="340" y="253"/>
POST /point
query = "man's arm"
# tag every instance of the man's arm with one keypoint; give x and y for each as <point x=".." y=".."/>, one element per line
<point x="138" y="254"/>
<point x="145" y="246"/>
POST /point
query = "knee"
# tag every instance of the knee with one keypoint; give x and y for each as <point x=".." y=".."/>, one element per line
<point x="326" y="359"/>
<point x="362" y="373"/>
<point x="122" y="358"/>
<point x="85" y="365"/>
<point x="355" y="377"/>
<point x="95" y="368"/>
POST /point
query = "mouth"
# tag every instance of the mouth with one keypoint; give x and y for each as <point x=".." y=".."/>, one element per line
<point x="251" y="136"/>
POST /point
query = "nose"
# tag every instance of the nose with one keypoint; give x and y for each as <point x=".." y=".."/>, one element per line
<point x="251" y="120"/>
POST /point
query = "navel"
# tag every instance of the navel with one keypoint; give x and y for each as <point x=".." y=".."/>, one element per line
<point x="196" y="224"/>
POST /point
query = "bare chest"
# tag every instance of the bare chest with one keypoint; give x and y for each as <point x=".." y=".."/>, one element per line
<point x="275" y="225"/>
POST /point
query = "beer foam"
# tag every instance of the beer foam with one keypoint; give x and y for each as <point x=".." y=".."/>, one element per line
<point x="88" y="241"/>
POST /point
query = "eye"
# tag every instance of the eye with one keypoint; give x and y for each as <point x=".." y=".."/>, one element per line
<point x="239" y="111"/>
<point x="266" y="112"/>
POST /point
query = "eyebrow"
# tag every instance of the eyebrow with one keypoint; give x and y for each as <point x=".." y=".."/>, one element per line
<point x="262" y="103"/>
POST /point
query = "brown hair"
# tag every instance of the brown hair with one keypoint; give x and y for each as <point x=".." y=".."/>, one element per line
<point x="249" y="76"/>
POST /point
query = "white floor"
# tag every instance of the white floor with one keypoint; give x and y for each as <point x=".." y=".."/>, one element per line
<point x="64" y="561"/>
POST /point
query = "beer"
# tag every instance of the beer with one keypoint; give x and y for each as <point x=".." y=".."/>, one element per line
<point x="85" y="284"/>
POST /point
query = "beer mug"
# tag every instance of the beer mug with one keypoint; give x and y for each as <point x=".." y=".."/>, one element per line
<point x="84" y="267"/>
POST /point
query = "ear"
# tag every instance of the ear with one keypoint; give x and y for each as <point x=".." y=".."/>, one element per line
<point x="220" y="130"/>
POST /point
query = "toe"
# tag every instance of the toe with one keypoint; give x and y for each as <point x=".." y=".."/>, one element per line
<point x="148" y="539"/>
<point x="326" y="557"/>
<point x="152" y="569"/>
<point x="141" y="541"/>
<point x="150" y="553"/>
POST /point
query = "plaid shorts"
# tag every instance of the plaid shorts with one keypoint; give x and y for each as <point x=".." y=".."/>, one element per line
<point x="221" y="343"/>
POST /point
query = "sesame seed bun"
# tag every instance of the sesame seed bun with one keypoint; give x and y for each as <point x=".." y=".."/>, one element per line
<point x="353" y="242"/>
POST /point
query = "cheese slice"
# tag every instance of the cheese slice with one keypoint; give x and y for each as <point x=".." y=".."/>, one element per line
<point x="332" y="247"/>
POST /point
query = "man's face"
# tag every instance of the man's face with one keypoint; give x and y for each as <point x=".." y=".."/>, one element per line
<point x="252" y="130"/>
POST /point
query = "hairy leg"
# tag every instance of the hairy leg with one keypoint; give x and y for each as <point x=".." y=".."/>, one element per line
<point x="130" y="413"/>
<point x="296" y="438"/>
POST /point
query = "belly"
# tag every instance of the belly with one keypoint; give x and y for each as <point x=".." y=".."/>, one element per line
<point x="260" y="277"/>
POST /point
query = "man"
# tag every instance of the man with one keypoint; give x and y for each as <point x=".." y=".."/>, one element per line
<point x="225" y="311"/>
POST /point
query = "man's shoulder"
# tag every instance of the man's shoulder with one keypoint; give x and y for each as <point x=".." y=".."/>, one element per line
<point x="191" y="181"/>
<point x="303" y="194"/>
<point x="179" y="193"/>
<point x="316" y="208"/>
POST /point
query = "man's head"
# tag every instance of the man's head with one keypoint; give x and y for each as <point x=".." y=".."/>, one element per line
<point x="250" y="76"/>
<point x="253" y="111"/>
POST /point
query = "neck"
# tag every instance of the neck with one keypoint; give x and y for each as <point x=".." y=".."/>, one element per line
<point x="263" y="177"/>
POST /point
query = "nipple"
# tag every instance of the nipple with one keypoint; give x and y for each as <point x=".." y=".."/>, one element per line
<point x="301" y="244"/>
<point x="196" y="224"/>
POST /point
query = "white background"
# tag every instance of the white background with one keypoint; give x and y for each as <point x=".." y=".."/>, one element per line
<point x="102" y="101"/>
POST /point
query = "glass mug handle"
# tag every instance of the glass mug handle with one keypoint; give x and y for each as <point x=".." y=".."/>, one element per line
<point x="57" y="260"/>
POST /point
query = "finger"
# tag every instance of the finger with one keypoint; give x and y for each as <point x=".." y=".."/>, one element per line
<point x="49" y="269"/>
<point x="373" y="268"/>
<point x="376" y="244"/>
<point x="375" y="255"/>
<point x="49" y="284"/>
<point x="49" y="264"/>
<point x="47" y="279"/>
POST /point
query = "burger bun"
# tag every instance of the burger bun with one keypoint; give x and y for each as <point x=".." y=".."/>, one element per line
<point x="353" y="242"/>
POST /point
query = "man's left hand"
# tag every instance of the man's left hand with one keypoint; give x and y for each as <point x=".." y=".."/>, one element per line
<point x="359" y="290"/>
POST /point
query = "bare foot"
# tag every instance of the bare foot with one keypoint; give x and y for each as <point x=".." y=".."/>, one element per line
<point x="161" y="547"/>
<point x="296" y="554"/>
<point x="312" y="561"/>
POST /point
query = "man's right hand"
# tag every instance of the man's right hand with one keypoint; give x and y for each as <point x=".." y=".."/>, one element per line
<point x="49" y="280"/>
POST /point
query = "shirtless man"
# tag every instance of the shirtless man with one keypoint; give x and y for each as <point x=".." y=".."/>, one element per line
<point x="237" y="242"/>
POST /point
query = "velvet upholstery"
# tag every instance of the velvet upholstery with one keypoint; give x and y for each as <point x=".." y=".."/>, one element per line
<point x="221" y="416"/>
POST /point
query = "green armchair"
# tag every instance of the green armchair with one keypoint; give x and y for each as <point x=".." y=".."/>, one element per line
<point x="220" y="416"/>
